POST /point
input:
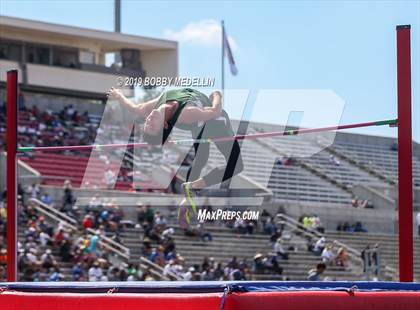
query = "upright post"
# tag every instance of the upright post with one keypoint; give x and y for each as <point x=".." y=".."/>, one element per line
<point x="405" y="171"/>
<point x="12" y="106"/>
<point x="223" y="59"/>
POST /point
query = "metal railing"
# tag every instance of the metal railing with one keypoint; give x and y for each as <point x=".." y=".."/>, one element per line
<point x="111" y="245"/>
<point x="354" y="255"/>
<point x="107" y="243"/>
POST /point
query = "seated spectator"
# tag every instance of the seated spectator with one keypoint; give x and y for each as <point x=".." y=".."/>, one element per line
<point x="167" y="233"/>
<point x="158" y="256"/>
<point x="87" y="222"/>
<point x="203" y="233"/>
<point x="342" y="257"/>
<point x="160" y="220"/>
<point x="3" y="256"/>
<point x="334" y="160"/>
<point x="77" y="272"/>
<point x="95" y="273"/>
<point x="279" y="250"/>
<point x="237" y="274"/>
<point x="317" y="225"/>
<point x="264" y="263"/>
<point x="315" y="274"/>
<point x="93" y="243"/>
<point x="358" y="227"/>
<point x="45" y="198"/>
<point x="187" y="276"/>
<point x="47" y="260"/>
<point x="319" y="246"/>
<point x="33" y="190"/>
<point x="269" y="226"/>
<point x="56" y="275"/>
<point x="59" y="237"/>
<point x="327" y="255"/>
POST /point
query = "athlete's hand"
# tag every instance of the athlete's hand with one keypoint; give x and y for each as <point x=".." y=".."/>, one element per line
<point x="214" y="94"/>
<point x="216" y="99"/>
<point x="114" y="93"/>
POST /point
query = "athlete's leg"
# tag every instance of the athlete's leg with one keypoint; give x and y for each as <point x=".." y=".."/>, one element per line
<point x="201" y="157"/>
<point x="230" y="150"/>
<point x="234" y="165"/>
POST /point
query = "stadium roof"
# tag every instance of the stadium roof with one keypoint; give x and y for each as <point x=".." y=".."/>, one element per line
<point x="108" y="40"/>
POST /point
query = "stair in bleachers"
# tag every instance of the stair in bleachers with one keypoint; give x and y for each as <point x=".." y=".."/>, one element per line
<point x="226" y="244"/>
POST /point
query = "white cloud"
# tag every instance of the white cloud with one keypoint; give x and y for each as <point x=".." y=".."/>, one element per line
<point x="205" y="32"/>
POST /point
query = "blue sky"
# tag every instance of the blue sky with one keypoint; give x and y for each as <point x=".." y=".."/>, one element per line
<point x="345" y="46"/>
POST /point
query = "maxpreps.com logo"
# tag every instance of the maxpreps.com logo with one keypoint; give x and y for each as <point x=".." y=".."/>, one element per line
<point x="227" y="215"/>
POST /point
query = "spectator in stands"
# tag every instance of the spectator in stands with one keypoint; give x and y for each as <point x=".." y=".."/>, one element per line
<point x="334" y="160"/>
<point x="307" y="222"/>
<point x="319" y="246"/>
<point x="279" y="249"/>
<point x="264" y="263"/>
<point x="237" y="274"/>
<point x="109" y="178"/>
<point x="45" y="198"/>
<point x="203" y="233"/>
<point x="418" y="223"/>
<point x="358" y="227"/>
<point x="316" y="224"/>
<point x="342" y="257"/>
<point x="68" y="198"/>
<point x="366" y="258"/>
<point x="187" y="276"/>
<point x="87" y="222"/>
<point x="95" y="272"/>
<point x="315" y="274"/>
<point x="327" y="255"/>
<point x="3" y="257"/>
<point x="77" y="272"/>
<point x="158" y="256"/>
<point x="47" y="260"/>
<point x="56" y="275"/>
<point x="375" y="260"/>
<point x="33" y="190"/>
<point x="269" y="225"/>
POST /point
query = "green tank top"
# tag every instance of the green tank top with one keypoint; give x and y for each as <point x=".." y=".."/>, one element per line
<point x="186" y="96"/>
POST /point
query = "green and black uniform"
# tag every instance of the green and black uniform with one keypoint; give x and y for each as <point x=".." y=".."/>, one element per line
<point x="220" y="127"/>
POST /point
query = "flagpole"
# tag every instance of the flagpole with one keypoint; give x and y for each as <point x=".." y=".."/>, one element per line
<point x="223" y="58"/>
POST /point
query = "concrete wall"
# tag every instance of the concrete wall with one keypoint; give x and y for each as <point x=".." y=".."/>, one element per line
<point x="160" y="63"/>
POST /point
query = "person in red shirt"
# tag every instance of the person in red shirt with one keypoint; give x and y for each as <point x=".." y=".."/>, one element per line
<point x="87" y="222"/>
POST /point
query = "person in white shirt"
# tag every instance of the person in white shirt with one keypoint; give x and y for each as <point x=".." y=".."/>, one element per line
<point x="189" y="274"/>
<point x="418" y="222"/>
<point x="320" y="245"/>
<point x="109" y="179"/>
<point x="95" y="273"/>
<point x="279" y="249"/>
<point x="327" y="255"/>
<point x="44" y="238"/>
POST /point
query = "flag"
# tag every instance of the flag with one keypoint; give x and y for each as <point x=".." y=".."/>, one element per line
<point x="228" y="53"/>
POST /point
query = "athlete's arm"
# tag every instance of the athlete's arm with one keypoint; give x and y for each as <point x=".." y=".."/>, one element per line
<point x="141" y="110"/>
<point x="192" y="114"/>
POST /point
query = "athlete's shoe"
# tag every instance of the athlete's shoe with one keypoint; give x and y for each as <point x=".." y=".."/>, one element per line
<point x="190" y="193"/>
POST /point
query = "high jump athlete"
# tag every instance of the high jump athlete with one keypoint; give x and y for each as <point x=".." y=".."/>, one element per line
<point x="190" y="110"/>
